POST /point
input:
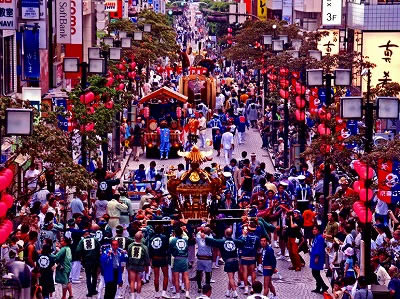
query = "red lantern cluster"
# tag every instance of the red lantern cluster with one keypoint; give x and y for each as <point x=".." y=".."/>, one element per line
<point x="365" y="195"/>
<point x="6" y="226"/>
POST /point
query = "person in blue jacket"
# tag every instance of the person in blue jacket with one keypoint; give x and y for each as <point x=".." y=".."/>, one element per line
<point x="317" y="260"/>
<point x="112" y="262"/>
<point x="269" y="266"/>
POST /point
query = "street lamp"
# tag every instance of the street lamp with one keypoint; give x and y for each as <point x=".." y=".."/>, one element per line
<point x="277" y="45"/>
<point x="316" y="77"/>
<point x="147" y="27"/>
<point x="138" y="35"/>
<point x="267" y="40"/>
<point x="316" y="54"/>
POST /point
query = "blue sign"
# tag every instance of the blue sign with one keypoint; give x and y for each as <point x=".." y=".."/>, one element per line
<point x="31" y="54"/>
<point x="62" y="121"/>
<point x="30" y="9"/>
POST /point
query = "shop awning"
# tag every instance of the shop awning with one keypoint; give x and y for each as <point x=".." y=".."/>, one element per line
<point x="164" y="93"/>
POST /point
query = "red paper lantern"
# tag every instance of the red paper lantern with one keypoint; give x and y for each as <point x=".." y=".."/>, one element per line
<point x="358" y="185"/>
<point x="296" y="75"/>
<point x="366" y="194"/>
<point x="229" y="29"/>
<point x="178" y="112"/>
<point x="7" y="199"/>
<point x="109" y="104"/>
<point x="6" y="177"/>
<point x="90" y="110"/>
<point x="322" y="130"/>
<point x="3" y="209"/>
<point x="362" y="212"/>
<point x="110" y="74"/>
<point x="146" y="112"/>
<point x="300" y="115"/>
<point x="300" y="103"/>
<point x="284" y="72"/>
<point x="89" y="97"/>
<point x="283" y="93"/>
<point x="132" y="65"/>
<point x="110" y="81"/>
<point x="121" y="86"/>
<point x="284" y="83"/>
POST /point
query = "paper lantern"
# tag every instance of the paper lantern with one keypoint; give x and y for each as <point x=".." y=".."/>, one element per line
<point x="366" y="174"/>
<point x="322" y="130"/>
<point x="283" y="93"/>
<point x="229" y="29"/>
<point x="110" y="74"/>
<point x="178" y="112"/>
<point x="6" y="177"/>
<point x="300" y="115"/>
<point x="146" y="112"/>
<point x="364" y="214"/>
<point x="89" y="97"/>
<point x="132" y="65"/>
<point x="325" y="148"/>
<point x="90" y="110"/>
<point x="3" y="209"/>
<point x="7" y="199"/>
<point x="272" y="87"/>
<point x="110" y="81"/>
<point x="82" y="99"/>
<point x="284" y="72"/>
<point x="358" y="185"/>
<point x="109" y="104"/>
<point x="271" y="77"/>
<point x="366" y="194"/>
<point x="300" y="102"/>
<point x="300" y="89"/>
<point x="284" y="83"/>
<point x="121" y="86"/>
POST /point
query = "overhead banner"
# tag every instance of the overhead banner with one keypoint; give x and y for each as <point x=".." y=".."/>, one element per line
<point x="262" y="9"/>
<point x="329" y="45"/>
<point x="383" y="49"/>
<point x="30" y="9"/>
<point x="331" y="12"/>
<point x="76" y="22"/>
<point x="63" y="21"/>
<point x="8" y="19"/>
<point x="31" y="54"/>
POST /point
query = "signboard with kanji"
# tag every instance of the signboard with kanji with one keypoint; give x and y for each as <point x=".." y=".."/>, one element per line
<point x="383" y="49"/>
<point x="329" y="44"/>
<point x="8" y="14"/>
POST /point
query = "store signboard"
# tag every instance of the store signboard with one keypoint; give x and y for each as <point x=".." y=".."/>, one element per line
<point x="331" y="12"/>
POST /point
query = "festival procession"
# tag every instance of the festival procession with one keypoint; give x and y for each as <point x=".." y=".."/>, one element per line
<point x="214" y="149"/>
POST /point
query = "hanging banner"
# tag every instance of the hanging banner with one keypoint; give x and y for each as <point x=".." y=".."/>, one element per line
<point x="388" y="181"/>
<point x="329" y="44"/>
<point x="62" y="121"/>
<point x="76" y="22"/>
<point x="382" y="48"/>
<point x="30" y="9"/>
<point x="63" y="21"/>
<point x="262" y="9"/>
<point x="31" y="54"/>
<point x="331" y="12"/>
<point x="8" y="19"/>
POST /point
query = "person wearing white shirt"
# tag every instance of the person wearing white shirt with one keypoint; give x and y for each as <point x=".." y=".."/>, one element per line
<point x="227" y="143"/>
<point x="382" y="277"/>
<point x="31" y="177"/>
<point x="220" y="100"/>
<point x="202" y="129"/>
<point x="380" y="239"/>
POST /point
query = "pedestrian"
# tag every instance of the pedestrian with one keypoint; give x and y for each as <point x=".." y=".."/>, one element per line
<point x="317" y="260"/>
<point x="179" y="249"/>
<point x="363" y="292"/>
<point x="45" y="264"/>
<point x="227" y="143"/>
<point x="269" y="267"/>
<point x="204" y="257"/>
<point x="229" y="252"/>
<point x="202" y="129"/>
<point x="138" y="261"/>
<point x="63" y="258"/>
<point x="257" y="290"/>
<point x="112" y="262"/>
<point x="136" y="141"/>
<point x="217" y="137"/>
<point x="206" y="290"/>
<point x="88" y="250"/>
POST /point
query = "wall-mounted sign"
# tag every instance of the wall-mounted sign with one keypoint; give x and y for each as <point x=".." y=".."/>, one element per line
<point x="31" y="54"/>
<point x="329" y="44"/>
<point x="30" y="9"/>
<point x="63" y="21"/>
<point x="76" y="22"/>
<point x="331" y="12"/>
<point x="262" y="9"/>
<point x="8" y="14"/>
<point x="111" y="6"/>
<point x="382" y="48"/>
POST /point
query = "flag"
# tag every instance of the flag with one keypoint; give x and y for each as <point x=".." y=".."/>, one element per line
<point x="388" y="181"/>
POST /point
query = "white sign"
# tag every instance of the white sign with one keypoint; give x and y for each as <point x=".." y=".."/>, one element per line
<point x="329" y="44"/>
<point x="32" y="94"/>
<point x="331" y="12"/>
<point x="76" y="22"/>
<point x="43" y="9"/>
<point x="63" y="21"/>
<point x="30" y="13"/>
<point x="8" y="11"/>
<point x="111" y="6"/>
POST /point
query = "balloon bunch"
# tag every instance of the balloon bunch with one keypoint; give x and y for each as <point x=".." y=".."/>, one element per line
<point x="365" y="194"/>
<point x="6" y="202"/>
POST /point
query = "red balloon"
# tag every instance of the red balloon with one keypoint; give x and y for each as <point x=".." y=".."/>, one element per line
<point x="300" y="115"/>
<point x="3" y="209"/>
<point x="8" y="200"/>
<point x="300" y="103"/>
<point x="283" y="93"/>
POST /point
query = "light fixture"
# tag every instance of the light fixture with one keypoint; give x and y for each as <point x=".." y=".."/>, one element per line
<point x="296" y="44"/>
<point x="94" y="52"/>
<point x="96" y="66"/>
<point x="342" y="77"/>
<point x="126" y="42"/>
<point x="71" y="64"/>
<point x="109" y="41"/>
<point x="316" y="54"/>
<point x="315" y="77"/>
<point x="267" y="39"/>
<point x="138" y="35"/>
<point x="351" y="107"/>
<point x="115" y="53"/>
<point x="274" y="26"/>
<point x="285" y="38"/>
<point x="122" y="34"/>
<point x="387" y="107"/>
<point x="293" y="53"/>
<point x="147" y="27"/>
<point x="19" y="122"/>
<point x="277" y="45"/>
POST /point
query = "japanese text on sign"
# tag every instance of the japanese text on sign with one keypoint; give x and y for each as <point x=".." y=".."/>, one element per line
<point x="331" y="12"/>
<point x="8" y="14"/>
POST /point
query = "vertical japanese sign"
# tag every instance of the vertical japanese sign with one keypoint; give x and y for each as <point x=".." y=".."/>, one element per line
<point x="331" y="12"/>
<point x="329" y="44"/>
<point x="62" y="120"/>
<point x="382" y="48"/>
<point x="31" y="54"/>
<point x="63" y="21"/>
<point x="262" y="9"/>
<point x="8" y="15"/>
<point x="76" y="22"/>
<point x="30" y="9"/>
<point x="157" y="6"/>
